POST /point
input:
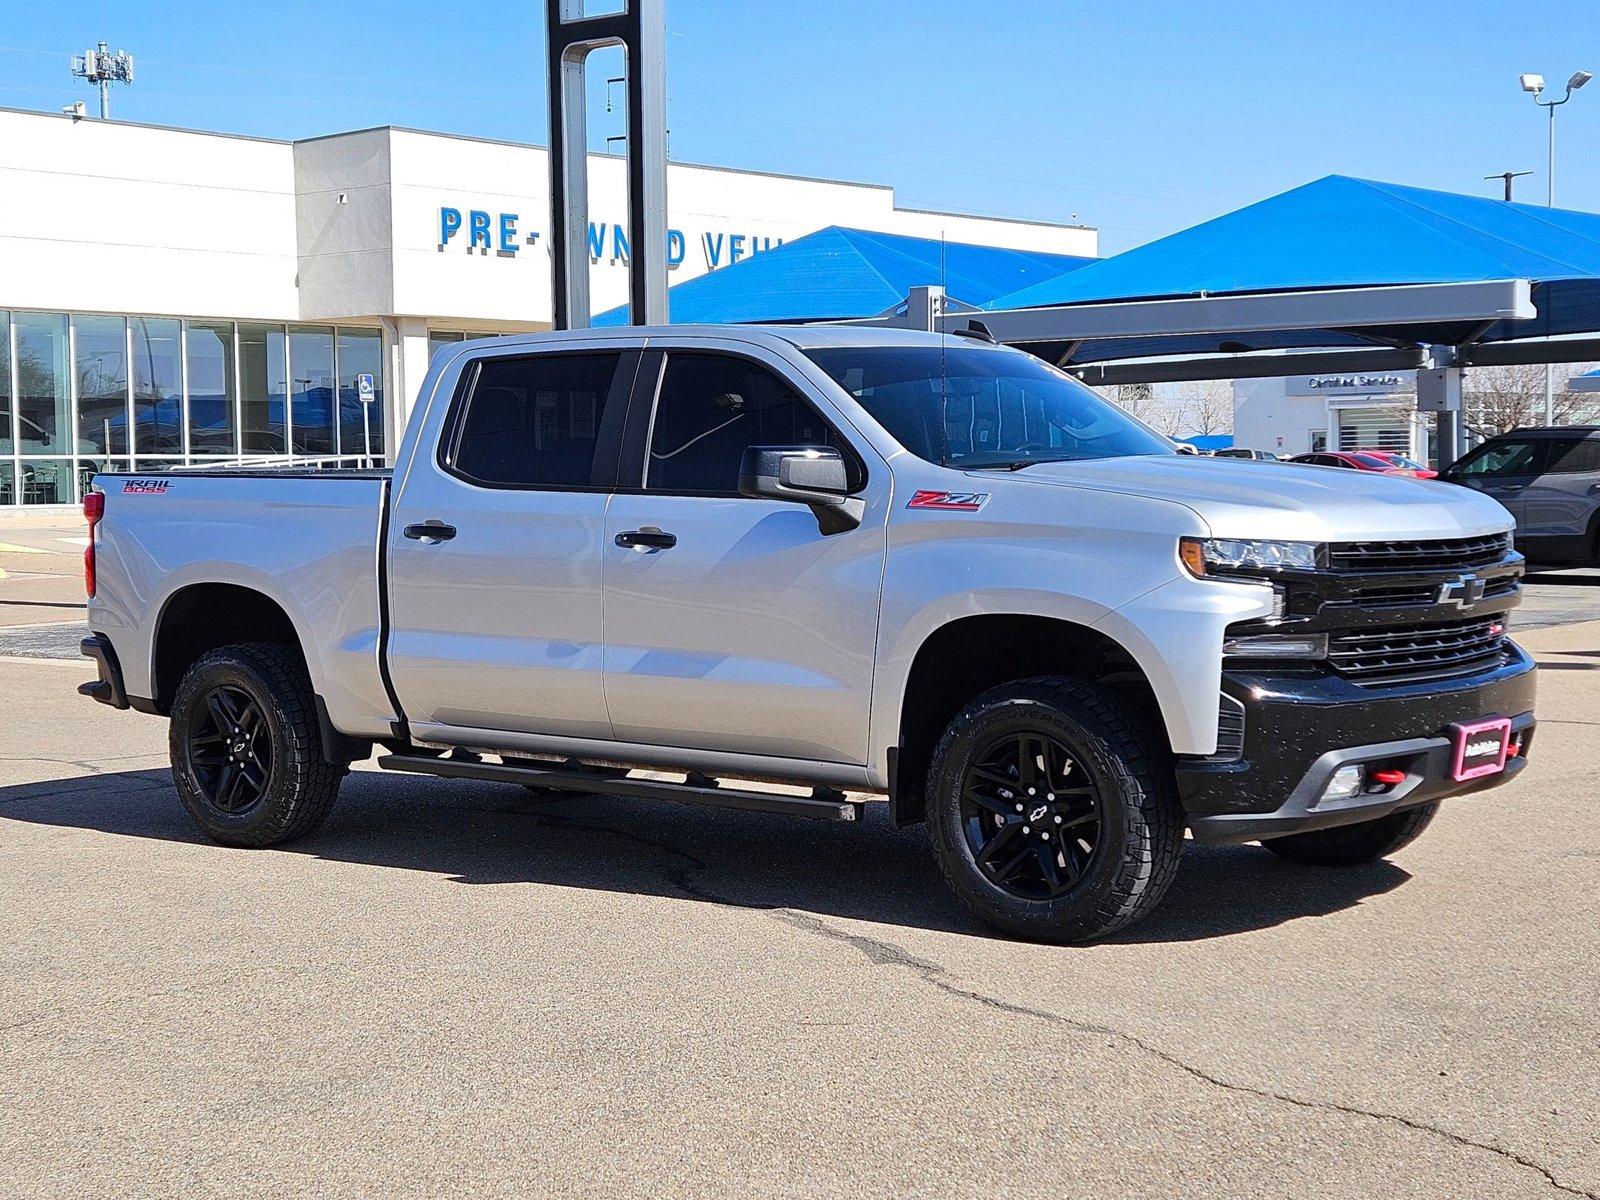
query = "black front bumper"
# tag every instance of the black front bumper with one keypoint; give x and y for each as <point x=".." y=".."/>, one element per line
<point x="1300" y="729"/>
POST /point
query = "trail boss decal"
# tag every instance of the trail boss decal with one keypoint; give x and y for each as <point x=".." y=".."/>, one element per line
<point x="146" y="487"/>
<point x="949" y="501"/>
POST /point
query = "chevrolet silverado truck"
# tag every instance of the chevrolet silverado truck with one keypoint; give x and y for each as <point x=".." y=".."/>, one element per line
<point x="787" y="569"/>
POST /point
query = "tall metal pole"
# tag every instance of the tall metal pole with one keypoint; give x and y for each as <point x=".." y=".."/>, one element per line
<point x="1550" y="202"/>
<point x="640" y="29"/>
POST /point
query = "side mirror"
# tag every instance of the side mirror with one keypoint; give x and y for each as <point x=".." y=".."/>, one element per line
<point x="816" y="476"/>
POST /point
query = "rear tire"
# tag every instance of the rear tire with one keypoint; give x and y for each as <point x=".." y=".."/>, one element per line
<point x="246" y="747"/>
<point x="1091" y="848"/>
<point x="1352" y="845"/>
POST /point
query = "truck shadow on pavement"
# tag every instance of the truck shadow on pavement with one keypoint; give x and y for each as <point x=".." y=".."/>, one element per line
<point x="489" y="834"/>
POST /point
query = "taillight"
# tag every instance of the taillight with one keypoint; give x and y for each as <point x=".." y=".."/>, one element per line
<point x="94" y="507"/>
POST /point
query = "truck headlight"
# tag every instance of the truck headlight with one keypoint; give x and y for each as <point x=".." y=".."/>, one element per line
<point x="1205" y="556"/>
<point x="1277" y="645"/>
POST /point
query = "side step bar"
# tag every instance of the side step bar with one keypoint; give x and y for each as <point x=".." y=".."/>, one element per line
<point x="641" y="789"/>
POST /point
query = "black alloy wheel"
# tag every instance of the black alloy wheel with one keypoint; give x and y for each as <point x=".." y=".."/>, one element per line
<point x="1031" y="816"/>
<point x="1052" y="812"/>
<point x="230" y="751"/>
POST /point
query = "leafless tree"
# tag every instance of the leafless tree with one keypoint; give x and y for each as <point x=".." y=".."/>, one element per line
<point x="1206" y="406"/>
<point x="1501" y="398"/>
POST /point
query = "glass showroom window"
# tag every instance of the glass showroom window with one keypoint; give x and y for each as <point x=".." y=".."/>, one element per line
<point x="157" y="385"/>
<point x="360" y="425"/>
<point x="263" y="380"/>
<point x="100" y="366"/>
<point x="311" y="391"/>
<point x="212" y="394"/>
<point x="43" y="374"/>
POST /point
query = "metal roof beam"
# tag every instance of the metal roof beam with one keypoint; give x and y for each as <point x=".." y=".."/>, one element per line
<point x="1335" y="308"/>
<point x="1505" y="354"/>
<point x="1264" y="366"/>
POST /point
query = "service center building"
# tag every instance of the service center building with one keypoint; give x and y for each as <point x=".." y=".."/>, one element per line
<point x="170" y="296"/>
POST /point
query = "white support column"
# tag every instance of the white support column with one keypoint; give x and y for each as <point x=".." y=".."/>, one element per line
<point x="405" y="360"/>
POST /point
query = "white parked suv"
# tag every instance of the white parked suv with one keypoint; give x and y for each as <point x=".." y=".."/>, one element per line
<point x="861" y="561"/>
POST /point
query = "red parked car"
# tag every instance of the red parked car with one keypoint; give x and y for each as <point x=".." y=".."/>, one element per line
<point x="1420" y="470"/>
<point x="1360" y="460"/>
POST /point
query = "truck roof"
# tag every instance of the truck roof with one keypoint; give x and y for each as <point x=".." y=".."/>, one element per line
<point x="804" y="337"/>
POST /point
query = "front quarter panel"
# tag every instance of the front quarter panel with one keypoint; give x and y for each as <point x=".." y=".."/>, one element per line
<point x="1106" y="560"/>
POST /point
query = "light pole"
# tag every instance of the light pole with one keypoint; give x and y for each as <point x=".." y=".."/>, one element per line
<point x="1534" y="84"/>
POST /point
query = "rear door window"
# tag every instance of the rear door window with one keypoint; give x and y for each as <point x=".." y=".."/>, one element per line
<point x="1574" y="456"/>
<point x="536" y="422"/>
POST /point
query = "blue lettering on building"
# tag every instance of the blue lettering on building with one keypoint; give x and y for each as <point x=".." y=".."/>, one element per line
<point x="498" y="231"/>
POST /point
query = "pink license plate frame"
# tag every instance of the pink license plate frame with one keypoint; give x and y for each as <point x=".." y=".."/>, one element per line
<point x="1464" y="734"/>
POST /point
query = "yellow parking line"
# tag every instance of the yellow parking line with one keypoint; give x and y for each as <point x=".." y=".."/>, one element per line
<point x="8" y="548"/>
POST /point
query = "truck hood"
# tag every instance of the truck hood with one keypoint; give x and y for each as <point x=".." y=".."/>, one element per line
<point x="1244" y="499"/>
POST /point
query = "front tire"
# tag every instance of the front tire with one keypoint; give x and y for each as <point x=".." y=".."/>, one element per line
<point x="1052" y="815"/>
<point x="1352" y="845"/>
<point x="246" y="748"/>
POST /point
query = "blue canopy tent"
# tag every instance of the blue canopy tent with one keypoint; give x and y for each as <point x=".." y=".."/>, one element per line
<point x="840" y="274"/>
<point x="1338" y="233"/>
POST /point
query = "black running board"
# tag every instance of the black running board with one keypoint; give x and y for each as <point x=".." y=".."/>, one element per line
<point x="640" y="789"/>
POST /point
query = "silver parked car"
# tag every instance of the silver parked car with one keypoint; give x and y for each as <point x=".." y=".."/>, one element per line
<point x="1549" y="480"/>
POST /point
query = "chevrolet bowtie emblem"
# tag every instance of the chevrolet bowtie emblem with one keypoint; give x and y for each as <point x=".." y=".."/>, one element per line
<point x="1463" y="591"/>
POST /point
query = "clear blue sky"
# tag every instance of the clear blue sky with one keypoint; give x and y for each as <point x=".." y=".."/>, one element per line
<point x="1140" y="117"/>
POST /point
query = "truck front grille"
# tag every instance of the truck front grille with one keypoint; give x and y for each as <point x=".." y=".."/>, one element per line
<point x="1441" y="553"/>
<point x="1427" y="593"/>
<point x="1417" y="653"/>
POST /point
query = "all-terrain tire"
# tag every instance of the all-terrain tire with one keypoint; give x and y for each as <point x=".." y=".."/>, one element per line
<point x="1352" y="845"/>
<point x="1140" y="833"/>
<point x="300" y="787"/>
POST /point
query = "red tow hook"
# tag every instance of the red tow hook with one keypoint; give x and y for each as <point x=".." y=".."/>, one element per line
<point x="1388" y="776"/>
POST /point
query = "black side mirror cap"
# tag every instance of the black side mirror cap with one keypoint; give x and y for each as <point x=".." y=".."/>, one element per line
<point x="817" y="476"/>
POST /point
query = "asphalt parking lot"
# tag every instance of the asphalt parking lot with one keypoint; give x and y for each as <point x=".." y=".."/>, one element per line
<point x="461" y="987"/>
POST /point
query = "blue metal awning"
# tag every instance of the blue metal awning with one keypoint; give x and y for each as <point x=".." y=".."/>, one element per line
<point x="1341" y="232"/>
<point x="839" y="274"/>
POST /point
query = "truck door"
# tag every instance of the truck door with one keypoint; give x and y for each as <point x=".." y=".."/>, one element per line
<point x="494" y="548"/>
<point x="733" y="623"/>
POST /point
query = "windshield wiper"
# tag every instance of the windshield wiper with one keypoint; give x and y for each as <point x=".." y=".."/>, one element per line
<point x="1014" y="465"/>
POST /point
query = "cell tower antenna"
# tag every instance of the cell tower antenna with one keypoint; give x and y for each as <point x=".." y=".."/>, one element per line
<point x="102" y="67"/>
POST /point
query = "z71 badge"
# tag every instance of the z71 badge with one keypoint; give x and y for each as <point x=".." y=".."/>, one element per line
<point x="949" y="501"/>
<point x="146" y="487"/>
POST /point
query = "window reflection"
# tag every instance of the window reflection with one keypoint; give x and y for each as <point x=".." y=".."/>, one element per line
<point x="102" y="373"/>
<point x="157" y="385"/>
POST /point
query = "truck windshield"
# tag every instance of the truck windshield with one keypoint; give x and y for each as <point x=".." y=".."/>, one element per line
<point x="977" y="406"/>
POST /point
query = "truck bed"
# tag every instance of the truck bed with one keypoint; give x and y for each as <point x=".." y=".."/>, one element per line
<point x="172" y="544"/>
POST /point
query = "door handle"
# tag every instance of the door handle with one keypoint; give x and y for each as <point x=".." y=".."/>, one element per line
<point x="430" y="531"/>
<point x="646" y="539"/>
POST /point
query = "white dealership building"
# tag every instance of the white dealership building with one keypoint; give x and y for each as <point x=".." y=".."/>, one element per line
<point x="172" y="296"/>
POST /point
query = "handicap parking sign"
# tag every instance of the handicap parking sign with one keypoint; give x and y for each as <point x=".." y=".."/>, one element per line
<point x="365" y="388"/>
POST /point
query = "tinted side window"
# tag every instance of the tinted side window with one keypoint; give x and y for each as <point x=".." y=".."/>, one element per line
<point x="710" y="408"/>
<point x="1571" y="456"/>
<point x="535" y="422"/>
<point x="1495" y="459"/>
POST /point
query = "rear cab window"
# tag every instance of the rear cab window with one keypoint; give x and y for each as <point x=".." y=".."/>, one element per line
<point x="539" y="421"/>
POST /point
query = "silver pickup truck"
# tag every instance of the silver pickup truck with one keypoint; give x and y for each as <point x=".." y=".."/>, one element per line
<point x="780" y="568"/>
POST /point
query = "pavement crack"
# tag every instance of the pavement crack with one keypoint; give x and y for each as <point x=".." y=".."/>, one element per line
<point x="883" y="953"/>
